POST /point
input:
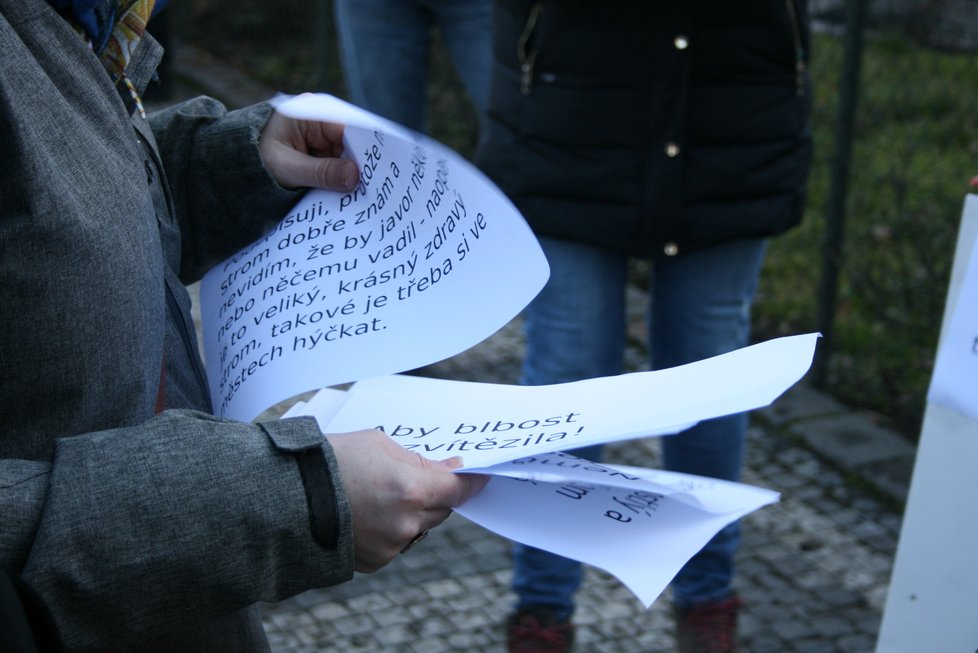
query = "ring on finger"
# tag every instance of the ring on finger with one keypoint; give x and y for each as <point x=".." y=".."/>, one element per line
<point x="417" y="538"/>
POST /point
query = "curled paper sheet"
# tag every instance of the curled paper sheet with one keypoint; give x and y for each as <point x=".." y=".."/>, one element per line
<point x="424" y="259"/>
<point x="640" y="525"/>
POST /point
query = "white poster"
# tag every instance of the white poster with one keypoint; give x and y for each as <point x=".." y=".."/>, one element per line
<point x="930" y="605"/>
<point x="954" y="383"/>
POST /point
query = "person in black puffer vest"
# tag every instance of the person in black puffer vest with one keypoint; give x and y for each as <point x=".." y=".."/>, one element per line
<point x="674" y="131"/>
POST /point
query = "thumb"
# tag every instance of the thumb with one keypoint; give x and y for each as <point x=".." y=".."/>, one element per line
<point x="453" y="463"/>
<point x="296" y="169"/>
<point x="463" y="486"/>
<point x="334" y="173"/>
<point x="469" y="486"/>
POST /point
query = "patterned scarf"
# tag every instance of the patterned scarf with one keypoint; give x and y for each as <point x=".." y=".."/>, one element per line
<point x="112" y="29"/>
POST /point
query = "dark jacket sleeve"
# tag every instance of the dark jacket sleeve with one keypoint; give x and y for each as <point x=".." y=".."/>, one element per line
<point x="222" y="195"/>
<point x="199" y="517"/>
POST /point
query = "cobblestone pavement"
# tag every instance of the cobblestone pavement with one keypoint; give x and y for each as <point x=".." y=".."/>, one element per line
<point x="813" y="568"/>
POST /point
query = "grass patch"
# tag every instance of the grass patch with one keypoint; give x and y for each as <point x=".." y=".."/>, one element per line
<point x="915" y="149"/>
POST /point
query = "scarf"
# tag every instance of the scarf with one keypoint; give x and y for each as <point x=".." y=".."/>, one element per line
<point x="112" y="29"/>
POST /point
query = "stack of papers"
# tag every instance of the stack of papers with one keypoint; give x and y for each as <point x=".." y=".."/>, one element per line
<point x="424" y="259"/>
<point x="640" y="525"/>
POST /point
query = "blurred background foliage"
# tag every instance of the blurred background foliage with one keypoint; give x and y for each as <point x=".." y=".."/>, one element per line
<point x="915" y="149"/>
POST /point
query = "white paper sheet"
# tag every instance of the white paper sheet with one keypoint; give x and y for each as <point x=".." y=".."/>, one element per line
<point x="623" y="520"/>
<point x="425" y="259"/>
<point x="954" y="383"/>
<point x="490" y="423"/>
<point x="639" y="525"/>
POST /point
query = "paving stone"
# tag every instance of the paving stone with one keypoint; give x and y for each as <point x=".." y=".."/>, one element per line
<point x="831" y="627"/>
<point x="443" y="588"/>
<point x="789" y="629"/>
<point x="767" y="644"/>
<point x="856" y="643"/>
<point x="470" y="641"/>
<point x="355" y="624"/>
<point x="370" y="603"/>
<point x="432" y="645"/>
<point x="809" y="645"/>
<point x="808" y="491"/>
<point x="392" y="616"/>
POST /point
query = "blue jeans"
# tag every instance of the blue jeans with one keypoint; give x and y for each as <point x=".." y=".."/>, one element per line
<point x="575" y="329"/>
<point x="385" y="47"/>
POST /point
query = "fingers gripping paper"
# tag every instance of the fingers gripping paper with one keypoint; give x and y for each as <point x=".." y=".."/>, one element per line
<point x="424" y="259"/>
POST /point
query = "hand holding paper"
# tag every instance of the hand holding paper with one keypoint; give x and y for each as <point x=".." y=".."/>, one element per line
<point x="306" y="153"/>
<point x="422" y="259"/>
<point x="394" y="494"/>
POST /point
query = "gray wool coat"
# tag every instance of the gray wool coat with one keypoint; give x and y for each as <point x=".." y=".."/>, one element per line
<point x="139" y="531"/>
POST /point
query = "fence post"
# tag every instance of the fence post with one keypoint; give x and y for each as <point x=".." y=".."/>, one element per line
<point x="325" y="35"/>
<point x="856" y="14"/>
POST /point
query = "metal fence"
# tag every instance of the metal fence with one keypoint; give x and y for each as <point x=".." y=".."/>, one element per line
<point x="904" y="145"/>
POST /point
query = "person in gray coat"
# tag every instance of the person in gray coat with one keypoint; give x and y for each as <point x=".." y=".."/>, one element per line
<point x="138" y="518"/>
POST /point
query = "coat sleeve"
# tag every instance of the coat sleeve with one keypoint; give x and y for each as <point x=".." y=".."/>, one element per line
<point x="23" y="484"/>
<point x="135" y="531"/>
<point x="223" y="197"/>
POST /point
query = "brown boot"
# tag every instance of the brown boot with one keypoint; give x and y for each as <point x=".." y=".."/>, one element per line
<point x="708" y="627"/>
<point x="537" y="630"/>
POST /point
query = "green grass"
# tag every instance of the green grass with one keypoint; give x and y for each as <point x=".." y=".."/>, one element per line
<point x="916" y="148"/>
